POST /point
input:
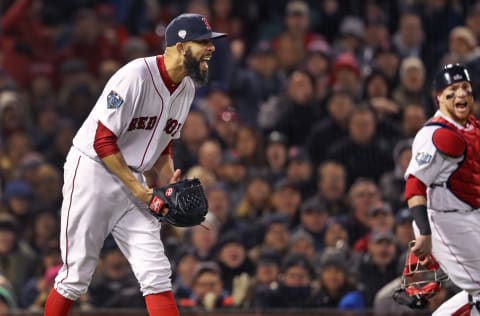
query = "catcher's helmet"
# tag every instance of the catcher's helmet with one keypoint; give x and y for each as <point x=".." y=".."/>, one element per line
<point x="450" y="74"/>
<point x="419" y="282"/>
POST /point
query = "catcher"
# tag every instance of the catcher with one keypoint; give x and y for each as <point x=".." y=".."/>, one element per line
<point x="129" y="132"/>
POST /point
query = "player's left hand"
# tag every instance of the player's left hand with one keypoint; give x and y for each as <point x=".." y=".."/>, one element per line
<point x="423" y="247"/>
<point x="186" y="202"/>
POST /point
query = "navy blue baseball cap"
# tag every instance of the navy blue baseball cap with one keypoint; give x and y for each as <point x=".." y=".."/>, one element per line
<point x="189" y="27"/>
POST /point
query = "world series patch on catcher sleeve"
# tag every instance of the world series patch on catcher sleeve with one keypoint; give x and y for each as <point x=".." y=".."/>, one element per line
<point x="114" y="100"/>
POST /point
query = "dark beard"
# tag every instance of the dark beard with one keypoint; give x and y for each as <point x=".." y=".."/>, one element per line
<point x="192" y="66"/>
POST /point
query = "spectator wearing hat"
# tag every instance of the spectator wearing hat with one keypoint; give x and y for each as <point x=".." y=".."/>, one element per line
<point x="411" y="88"/>
<point x="351" y="37"/>
<point x="294" y="286"/>
<point x="261" y="81"/>
<point x="231" y="256"/>
<point x="286" y="200"/>
<point x="392" y="183"/>
<point x="290" y="45"/>
<point x="14" y="115"/>
<point x="318" y="63"/>
<point x="17" y="258"/>
<point x="380" y="217"/>
<point x="313" y="219"/>
<point x="234" y="175"/>
<point x="318" y="59"/>
<point x="364" y="153"/>
<point x="337" y="288"/>
<point x="346" y="75"/>
<point x="378" y="265"/>
<point x="331" y="128"/>
<point x="362" y="196"/>
<point x="302" y="242"/>
<point x="403" y="228"/>
<point x="207" y="289"/>
<point x="336" y="235"/>
<point x="19" y="200"/>
<point x="267" y="270"/>
<point x="300" y="170"/>
<point x="276" y="155"/>
<point x="387" y="59"/>
<point x="273" y="235"/>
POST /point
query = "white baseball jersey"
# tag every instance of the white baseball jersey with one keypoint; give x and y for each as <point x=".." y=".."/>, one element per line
<point x="453" y="221"/>
<point x="434" y="168"/>
<point x="137" y="107"/>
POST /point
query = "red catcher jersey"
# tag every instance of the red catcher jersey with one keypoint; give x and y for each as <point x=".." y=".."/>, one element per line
<point x="447" y="183"/>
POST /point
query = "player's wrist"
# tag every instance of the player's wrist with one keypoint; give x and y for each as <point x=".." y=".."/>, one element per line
<point x="143" y="194"/>
<point x="420" y="216"/>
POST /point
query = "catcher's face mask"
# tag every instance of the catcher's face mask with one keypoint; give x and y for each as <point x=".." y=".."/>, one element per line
<point x="419" y="282"/>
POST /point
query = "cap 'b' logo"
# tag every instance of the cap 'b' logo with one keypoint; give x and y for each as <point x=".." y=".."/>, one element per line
<point x="207" y="25"/>
<point x="457" y="77"/>
<point x="182" y="34"/>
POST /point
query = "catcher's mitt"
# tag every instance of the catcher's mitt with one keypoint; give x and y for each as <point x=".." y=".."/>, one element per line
<point x="186" y="202"/>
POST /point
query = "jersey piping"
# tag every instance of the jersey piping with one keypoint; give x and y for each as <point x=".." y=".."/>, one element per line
<point x="160" y="115"/>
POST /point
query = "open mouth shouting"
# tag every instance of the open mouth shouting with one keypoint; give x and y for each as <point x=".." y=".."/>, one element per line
<point x="461" y="106"/>
<point x="204" y="61"/>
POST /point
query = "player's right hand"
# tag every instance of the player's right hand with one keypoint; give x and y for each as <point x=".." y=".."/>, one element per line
<point x="423" y="246"/>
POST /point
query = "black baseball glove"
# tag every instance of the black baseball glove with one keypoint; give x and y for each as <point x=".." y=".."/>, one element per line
<point x="186" y="202"/>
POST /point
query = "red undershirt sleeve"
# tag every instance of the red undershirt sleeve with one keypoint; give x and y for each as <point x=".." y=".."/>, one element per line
<point x="105" y="143"/>
<point x="168" y="149"/>
<point x="414" y="187"/>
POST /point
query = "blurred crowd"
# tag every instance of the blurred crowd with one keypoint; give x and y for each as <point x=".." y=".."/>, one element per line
<point x="301" y="139"/>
